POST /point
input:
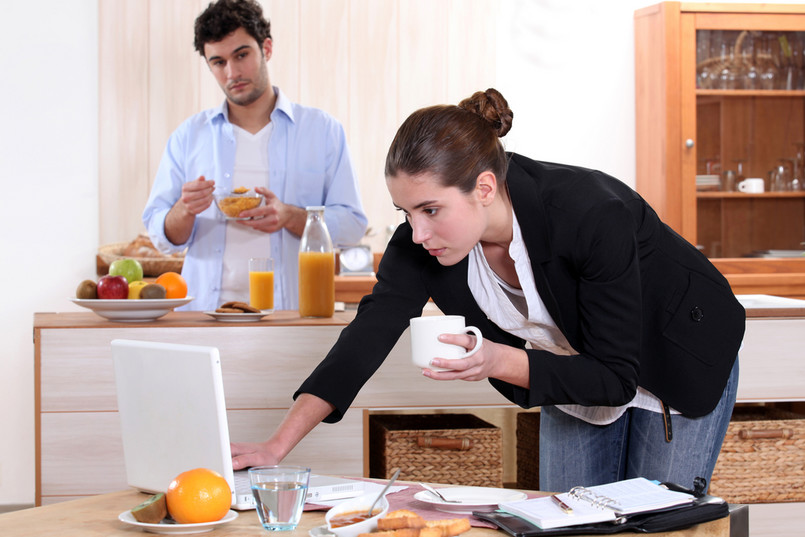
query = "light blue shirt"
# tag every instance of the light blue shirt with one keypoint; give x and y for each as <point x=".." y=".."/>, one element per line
<point x="309" y="164"/>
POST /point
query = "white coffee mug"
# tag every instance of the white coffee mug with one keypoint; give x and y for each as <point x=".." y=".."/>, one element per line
<point x="753" y="185"/>
<point x="425" y="344"/>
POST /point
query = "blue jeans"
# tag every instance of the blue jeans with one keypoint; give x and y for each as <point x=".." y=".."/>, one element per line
<point x="573" y="452"/>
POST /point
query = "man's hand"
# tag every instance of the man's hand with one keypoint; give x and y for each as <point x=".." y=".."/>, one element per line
<point x="274" y="215"/>
<point x="196" y="197"/>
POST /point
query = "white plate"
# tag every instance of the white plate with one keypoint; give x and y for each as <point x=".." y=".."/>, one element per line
<point x="471" y="498"/>
<point x="237" y="317"/>
<point x="176" y="529"/>
<point x="320" y="531"/>
<point x="146" y="309"/>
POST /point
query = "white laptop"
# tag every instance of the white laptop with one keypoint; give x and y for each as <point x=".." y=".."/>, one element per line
<point x="173" y="418"/>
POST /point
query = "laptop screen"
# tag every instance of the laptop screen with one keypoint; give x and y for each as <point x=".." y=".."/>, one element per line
<point x="172" y="411"/>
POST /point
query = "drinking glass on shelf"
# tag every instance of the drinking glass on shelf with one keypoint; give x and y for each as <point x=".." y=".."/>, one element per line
<point x="788" y="72"/>
<point x="730" y="74"/>
<point x="799" y="167"/>
<point x="710" y="67"/>
<point x="747" y="47"/>
<point x="728" y="181"/>
<point x="740" y="175"/>
<point x="704" y="57"/>
<point x="768" y="59"/>
<point x="798" y="57"/>
<point x="780" y="177"/>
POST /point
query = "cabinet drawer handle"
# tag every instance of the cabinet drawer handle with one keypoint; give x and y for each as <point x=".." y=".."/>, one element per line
<point x="436" y="442"/>
<point x="747" y="434"/>
<point x="689" y="143"/>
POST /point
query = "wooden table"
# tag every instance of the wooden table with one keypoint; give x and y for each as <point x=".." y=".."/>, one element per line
<point x="97" y="516"/>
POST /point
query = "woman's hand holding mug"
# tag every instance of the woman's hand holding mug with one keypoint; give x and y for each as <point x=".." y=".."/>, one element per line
<point x="425" y="344"/>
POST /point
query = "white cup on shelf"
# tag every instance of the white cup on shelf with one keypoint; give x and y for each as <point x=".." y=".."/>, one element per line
<point x="752" y="185"/>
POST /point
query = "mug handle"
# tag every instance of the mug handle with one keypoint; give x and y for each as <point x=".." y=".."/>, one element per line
<point x="479" y="339"/>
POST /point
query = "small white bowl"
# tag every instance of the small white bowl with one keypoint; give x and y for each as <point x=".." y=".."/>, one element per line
<point x="357" y="505"/>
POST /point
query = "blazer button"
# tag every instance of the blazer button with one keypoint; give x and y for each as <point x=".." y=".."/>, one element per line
<point x="696" y="314"/>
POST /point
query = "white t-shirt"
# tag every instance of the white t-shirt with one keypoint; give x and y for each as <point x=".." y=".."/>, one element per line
<point x="522" y="312"/>
<point x="242" y="242"/>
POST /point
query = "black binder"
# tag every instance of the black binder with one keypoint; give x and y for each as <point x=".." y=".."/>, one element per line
<point x="704" y="509"/>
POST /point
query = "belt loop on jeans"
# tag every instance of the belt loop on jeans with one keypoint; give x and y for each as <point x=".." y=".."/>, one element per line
<point x="666" y="418"/>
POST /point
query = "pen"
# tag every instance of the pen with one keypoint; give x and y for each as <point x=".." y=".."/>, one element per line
<point x="562" y="505"/>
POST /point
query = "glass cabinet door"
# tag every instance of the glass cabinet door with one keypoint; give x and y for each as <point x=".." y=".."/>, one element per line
<point x="750" y="143"/>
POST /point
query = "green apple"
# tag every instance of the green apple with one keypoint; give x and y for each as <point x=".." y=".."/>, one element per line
<point x="131" y="269"/>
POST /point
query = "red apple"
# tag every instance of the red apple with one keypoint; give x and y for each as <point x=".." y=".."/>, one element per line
<point x="113" y="287"/>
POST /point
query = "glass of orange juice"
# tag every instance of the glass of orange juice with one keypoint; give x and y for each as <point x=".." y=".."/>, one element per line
<point x="261" y="283"/>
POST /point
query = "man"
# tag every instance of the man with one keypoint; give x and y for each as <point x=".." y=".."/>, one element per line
<point x="295" y="156"/>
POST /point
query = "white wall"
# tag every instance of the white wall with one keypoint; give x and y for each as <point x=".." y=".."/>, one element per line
<point x="49" y="205"/>
<point x="566" y="68"/>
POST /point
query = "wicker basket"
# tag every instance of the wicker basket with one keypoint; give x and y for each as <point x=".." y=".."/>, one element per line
<point x="459" y="449"/>
<point x="152" y="266"/>
<point x="762" y="459"/>
<point x="528" y="450"/>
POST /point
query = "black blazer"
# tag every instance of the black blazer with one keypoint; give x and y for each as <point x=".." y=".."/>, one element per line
<point x="640" y="304"/>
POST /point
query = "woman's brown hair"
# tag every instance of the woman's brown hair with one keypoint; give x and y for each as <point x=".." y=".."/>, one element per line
<point x="455" y="143"/>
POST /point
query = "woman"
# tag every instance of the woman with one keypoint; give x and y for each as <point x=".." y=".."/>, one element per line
<point x="590" y="306"/>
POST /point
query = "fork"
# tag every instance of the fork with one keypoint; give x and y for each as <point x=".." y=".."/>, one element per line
<point x="438" y="494"/>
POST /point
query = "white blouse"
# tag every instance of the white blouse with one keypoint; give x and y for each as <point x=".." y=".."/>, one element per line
<point x="522" y="313"/>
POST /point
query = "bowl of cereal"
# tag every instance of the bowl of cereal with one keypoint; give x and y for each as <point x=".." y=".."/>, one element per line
<point x="231" y="204"/>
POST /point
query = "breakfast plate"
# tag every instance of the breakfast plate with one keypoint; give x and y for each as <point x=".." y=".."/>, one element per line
<point x="131" y="310"/>
<point x="245" y="317"/>
<point x="173" y="528"/>
<point x="320" y="531"/>
<point x="469" y="499"/>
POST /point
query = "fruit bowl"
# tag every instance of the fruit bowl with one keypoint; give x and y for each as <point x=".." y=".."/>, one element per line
<point x="231" y="204"/>
<point x="131" y="310"/>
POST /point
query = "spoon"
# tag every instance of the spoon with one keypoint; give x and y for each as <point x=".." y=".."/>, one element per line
<point x="392" y="480"/>
<point x="438" y="494"/>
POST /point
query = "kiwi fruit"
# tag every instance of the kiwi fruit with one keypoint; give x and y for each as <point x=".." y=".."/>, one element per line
<point x="152" y="510"/>
<point x="87" y="289"/>
<point x="153" y="290"/>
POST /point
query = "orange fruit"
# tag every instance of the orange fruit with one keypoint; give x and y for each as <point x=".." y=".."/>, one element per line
<point x="175" y="286"/>
<point x="199" y="495"/>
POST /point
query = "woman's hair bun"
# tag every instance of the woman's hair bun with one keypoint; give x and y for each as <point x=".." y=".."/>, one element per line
<point x="492" y="107"/>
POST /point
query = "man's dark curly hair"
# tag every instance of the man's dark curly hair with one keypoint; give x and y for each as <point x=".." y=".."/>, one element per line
<point x="223" y="17"/>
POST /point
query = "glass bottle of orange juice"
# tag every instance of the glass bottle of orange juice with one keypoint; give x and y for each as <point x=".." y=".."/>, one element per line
<point x="316" y="267"/>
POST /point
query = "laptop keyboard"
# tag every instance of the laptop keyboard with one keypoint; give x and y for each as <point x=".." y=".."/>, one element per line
<point x="242" y="484"/>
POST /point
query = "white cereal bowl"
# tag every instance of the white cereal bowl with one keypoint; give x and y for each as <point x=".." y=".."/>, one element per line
<point x="358" y="504"/>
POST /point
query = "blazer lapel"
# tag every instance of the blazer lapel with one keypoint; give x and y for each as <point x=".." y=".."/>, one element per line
<point x="528" y="204"/>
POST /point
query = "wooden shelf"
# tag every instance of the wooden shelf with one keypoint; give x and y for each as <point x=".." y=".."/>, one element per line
<point x="704" y="194"/>
<point x="750" y="93"/>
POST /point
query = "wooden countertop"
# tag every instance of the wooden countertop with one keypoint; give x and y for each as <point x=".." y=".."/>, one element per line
<point x="757" y="307"/>
<point x="194" y="319"/>
<point x="97" y="516"/>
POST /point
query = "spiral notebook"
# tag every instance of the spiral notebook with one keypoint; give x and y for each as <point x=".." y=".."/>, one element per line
<point x="601" y="503"/>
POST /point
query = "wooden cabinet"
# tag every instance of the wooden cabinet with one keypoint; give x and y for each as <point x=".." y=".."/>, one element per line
<point x="690" y="132"/>
<point x="78" y="446"/>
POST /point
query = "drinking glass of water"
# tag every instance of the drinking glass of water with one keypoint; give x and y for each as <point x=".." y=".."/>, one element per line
<point x="279" y="492"/>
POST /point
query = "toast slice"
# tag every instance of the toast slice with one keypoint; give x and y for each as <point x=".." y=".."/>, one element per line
<point x="402" y="532"/>
<point x="400" y="519"/>
<point x="448" y="527"/>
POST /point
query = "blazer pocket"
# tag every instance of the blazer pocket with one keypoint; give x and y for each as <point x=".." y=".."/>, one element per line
<point x="707" y="322"/>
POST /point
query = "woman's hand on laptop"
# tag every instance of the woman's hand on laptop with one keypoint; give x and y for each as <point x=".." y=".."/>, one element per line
<point x="305" y="413"/>
<point x="248" y="454"/>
